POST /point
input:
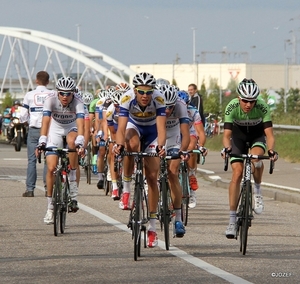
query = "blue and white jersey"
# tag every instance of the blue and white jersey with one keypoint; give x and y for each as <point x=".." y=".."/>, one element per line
<point x="63" y="117"/>
<point x="194" y="116"/>
<point x="179" y="115"/>
<point x="33" y="103"/>
<point x="130" y="108"/>
<point x="112" y="115"/>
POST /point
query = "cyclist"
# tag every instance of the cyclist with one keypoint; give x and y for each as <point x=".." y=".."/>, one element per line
<point x="101" y="131"/>
<point x="197" y="136"/>
<point x="247" y="119"/>
<point x="112" y="115"/>
<point x="142" y="114"/>
<point x="178" y="138"/>
<point x="63" y="115"/>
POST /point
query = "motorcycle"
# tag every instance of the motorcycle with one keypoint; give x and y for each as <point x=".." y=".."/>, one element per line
<point x="17" y="133"/>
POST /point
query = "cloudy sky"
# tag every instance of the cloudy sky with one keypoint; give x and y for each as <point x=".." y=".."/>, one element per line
<point x="159" y="31"/>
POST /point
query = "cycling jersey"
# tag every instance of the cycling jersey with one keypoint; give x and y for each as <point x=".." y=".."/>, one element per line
<point x="112" y="116"/>
<point x="250" y="124"/>
<point x="92" y="106"/>
<point x="63" y="119"/>
<point x="130" y="108"/>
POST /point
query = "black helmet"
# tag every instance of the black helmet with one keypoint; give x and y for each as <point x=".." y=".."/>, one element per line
<point x="17" y="102"/>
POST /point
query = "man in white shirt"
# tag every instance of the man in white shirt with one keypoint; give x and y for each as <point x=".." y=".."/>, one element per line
<point x="32" y="112"/>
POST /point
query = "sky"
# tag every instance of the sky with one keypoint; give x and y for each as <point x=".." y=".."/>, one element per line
<point x="161" y="31"/>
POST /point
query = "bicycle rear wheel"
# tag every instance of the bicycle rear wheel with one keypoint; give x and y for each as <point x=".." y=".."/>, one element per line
<point x="165" y="211"/>
<point x="64" y="207"/>
<point x="56" y="197"/>
<point x="137" y="222"/>
<point x="245" y="218"/>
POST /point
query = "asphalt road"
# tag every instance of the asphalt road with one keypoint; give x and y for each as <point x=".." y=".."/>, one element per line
<point x="97" y="246"/>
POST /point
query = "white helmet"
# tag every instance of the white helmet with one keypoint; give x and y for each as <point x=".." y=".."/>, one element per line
<point x="102" y="94"/>
<point x="248" y="89"/>
<point x="160" y="82"/>
<point x="66" y="84"/>
<point x="144" y="79"/>
<point x="123" y="87"/>
<point x="170" y="93"/>
<point x="87" y="98"/>
<point x="116" y="96"/>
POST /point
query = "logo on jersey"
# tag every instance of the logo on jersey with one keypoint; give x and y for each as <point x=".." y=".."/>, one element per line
<point x="108" y="113"/>
<point x="125" y="99"/>
<point x="160" y="100"/>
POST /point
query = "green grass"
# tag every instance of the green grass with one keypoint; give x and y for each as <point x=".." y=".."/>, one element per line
<point x="286" y="144"/>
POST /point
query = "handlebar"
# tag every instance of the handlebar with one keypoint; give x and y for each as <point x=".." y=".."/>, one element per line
<point x="54" y="149"/>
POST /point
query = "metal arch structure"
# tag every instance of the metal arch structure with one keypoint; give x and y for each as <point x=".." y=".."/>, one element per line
<point x="55" y="46"/>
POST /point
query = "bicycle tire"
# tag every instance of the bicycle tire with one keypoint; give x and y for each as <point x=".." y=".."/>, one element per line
<point x="165" y="212"/>
<point x="119" y="181"/>
<point x="64" y="207"/>
<point x="245" y="220"/>
<point x="89" y="165"/>
<point x="56" y="197"/>
<point x="137" y="223"/>
<point x="185" y="196"/>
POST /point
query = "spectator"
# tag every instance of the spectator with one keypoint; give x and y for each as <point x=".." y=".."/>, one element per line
<point x="196" y="100"/>
<point x="32" y="111"/>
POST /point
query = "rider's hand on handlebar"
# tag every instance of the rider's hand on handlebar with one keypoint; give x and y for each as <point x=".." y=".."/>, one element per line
<point x="273" y="155"/>
<point x="118" y="149"/>
<point x="160" y="150"/>
<point x="184" y="155"/>
<point x="203" y="150"/>
<point x="225" y="151"/>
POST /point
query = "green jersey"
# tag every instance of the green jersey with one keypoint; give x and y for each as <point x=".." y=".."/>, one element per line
<point x="92" y="107"/>
<point x="251" y="124"/>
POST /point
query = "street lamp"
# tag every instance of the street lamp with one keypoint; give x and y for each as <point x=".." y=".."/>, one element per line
<point x="194" y="44"/>
<point x="251" y="47"/>
<point x="286" y="75"/>
<point x="78" y="40"/>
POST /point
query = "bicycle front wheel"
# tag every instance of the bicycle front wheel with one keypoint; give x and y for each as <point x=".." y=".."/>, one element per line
<point x="165" y="212"/>
<point x="88" y="166"/>
<point x="185" y="196"/>
<point x="245" y="218"/>
<point x="56" y="199"/>
<point x="64" y="207"/>
<point x="137" y="222"/>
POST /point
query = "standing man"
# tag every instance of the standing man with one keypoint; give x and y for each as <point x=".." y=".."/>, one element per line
<point x="196" y="100"/>
<point x="32" y="111"/>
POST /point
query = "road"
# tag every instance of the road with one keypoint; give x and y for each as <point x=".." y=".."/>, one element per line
<point x="97" y="246"/>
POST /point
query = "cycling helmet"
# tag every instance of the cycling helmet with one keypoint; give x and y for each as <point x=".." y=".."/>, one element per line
<point x="66" y="84"/>
<point x="87" y="98"/>
<point x="123" y="87"/>
<point x="102" y="94"/>
<point x="116" y="96"/>
<point x="248" y="89"/>
<point x="160" y="82"/>
<point x="110" y="91"/>
<point x="17" y="102"/>
<point x="144" y="79"/>
<point x="184" y="96"/>
<point x="169" y="93"/>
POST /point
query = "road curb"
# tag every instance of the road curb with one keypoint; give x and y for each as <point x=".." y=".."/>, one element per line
<point x="278" y="194"/>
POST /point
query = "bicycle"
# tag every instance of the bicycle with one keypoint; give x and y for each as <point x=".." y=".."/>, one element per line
<point x="139" y="212"/>
<point x="88" y="163"/>
<point x="107" y="183"/>
<point x="245" y="208"/>
<point x="185" y="185"/>
<point x="118" y="168"/>
<point x="61" y="189"/>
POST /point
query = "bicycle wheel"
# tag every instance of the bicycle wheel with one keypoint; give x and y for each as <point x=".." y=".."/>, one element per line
<point x="137" y="222"/>
<point x="245" y="218"/>
<point x="88" y="166"/>
<point x="64" y="207"/>
<point x="185" y="196"/>
<point x="165" y="212"/>
<point x="56" y="198"/>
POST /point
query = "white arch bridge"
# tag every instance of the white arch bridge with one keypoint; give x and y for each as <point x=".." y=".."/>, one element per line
<point x="24" y="52"/>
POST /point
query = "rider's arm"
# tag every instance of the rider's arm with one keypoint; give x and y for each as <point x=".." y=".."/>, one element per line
<point x="120" y="135"/>
<point x="270" y="138"/>
<point x="226" y="138"/>
<point x="201" y="133"/>
<point x="45" y="125"/>
<point x="185" y="136"/>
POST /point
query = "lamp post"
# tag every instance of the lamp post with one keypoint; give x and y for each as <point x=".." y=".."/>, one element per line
<point x="78" y="40"/>
<point x="286" y="75"/>
<point x="251" y="47"/>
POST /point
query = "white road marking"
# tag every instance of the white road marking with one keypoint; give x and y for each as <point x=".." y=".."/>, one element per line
<point x="14" y="159"/>
<point x="214" y="177"/>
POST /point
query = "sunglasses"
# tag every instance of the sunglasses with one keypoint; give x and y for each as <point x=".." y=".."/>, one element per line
<point x="65" y="94"/>
<point x="169" y="107"/>
<point x="246" y="101"/>
<point x="116" y="105"/>
<point x="143" y="92"/>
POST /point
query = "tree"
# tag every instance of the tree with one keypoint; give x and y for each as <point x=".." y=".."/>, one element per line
<point x="7" y="101"/>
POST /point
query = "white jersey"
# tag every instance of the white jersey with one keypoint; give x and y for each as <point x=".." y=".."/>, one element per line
<point x="130" y="108"/>
<point x="33" y="103"/>
<point x="63" y="117"/>
<point x="179" y="115"/>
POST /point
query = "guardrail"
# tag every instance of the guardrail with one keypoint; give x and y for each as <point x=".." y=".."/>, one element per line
<point x="275" y="126"/>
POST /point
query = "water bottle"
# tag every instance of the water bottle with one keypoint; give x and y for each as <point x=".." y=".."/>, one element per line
<point x="94" y="164"/>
